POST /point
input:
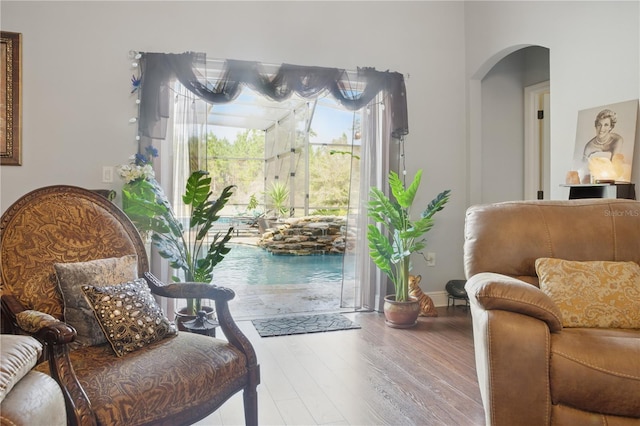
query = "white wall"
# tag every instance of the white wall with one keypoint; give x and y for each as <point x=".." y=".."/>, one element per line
<point x="594" y="60"/>
<point x="76" y="102"/>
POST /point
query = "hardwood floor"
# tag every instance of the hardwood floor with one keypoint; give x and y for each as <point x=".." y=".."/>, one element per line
<point x="372" y="376"/>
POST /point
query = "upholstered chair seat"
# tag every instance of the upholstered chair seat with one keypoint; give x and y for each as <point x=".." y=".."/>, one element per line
<point x="180" y="380"/>
<point x="583" y="360"/>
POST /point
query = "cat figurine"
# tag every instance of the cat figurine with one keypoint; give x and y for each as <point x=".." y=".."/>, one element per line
<point x="427" y="309"/>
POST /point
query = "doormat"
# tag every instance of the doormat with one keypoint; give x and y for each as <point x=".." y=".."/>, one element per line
<point x="303" y="324"/>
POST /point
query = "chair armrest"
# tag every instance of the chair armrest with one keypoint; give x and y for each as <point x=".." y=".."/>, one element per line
<point x="188" y="290"/>
<point x="221" y="296"/>
<point x="491" y="291"/>
<point x="46" y="328"/>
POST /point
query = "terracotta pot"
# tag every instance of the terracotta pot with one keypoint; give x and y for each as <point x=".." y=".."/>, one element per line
<point x="401" y="314"/>
<point x="182" y="317"/>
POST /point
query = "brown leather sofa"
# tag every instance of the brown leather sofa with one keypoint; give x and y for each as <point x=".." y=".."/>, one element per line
<point x="27" y="397"/>
<point x="532" y="370"/>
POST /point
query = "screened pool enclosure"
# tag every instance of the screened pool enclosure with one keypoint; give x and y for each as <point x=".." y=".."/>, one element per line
<point x="307" y="150"/>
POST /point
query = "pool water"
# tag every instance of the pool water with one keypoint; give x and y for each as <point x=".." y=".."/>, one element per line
<point x="253" y="265"/>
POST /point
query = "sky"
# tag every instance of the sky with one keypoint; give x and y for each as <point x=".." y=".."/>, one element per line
<point x="330" y="121"/>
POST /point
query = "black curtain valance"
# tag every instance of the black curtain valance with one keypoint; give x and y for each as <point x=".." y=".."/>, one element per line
<point x="159" y="68"/>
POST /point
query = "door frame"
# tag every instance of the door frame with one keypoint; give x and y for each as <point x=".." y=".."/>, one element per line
<point x="536" y="141"/>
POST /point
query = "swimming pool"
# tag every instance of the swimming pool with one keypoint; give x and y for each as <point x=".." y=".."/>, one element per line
<point x="255" y="266"/>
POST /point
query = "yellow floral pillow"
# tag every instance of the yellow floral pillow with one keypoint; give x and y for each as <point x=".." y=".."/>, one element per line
<point x="593" y="294"/>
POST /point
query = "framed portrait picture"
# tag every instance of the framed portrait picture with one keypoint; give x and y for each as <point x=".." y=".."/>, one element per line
<point x="605" y="141"/>
<point x="10" y="99"/>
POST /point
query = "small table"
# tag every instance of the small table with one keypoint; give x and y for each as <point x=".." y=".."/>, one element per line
<point x="602" y="190"/>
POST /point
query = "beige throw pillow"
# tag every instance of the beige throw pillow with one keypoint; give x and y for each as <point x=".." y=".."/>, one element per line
<point x="594" y="293"/>
<point x="129" y="315"/>
<point x="71" y="278"/>
<point x="18" y="355"/>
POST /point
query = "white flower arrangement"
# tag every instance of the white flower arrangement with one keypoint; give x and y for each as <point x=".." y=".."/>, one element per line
<point x="131" y="172"/>
<point x="140" y="166"/>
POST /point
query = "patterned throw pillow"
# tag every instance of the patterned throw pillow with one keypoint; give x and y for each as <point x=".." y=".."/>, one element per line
<point x="593" y="294"/>
<point x="128" y="315"/>
<point x="72" y="276"/>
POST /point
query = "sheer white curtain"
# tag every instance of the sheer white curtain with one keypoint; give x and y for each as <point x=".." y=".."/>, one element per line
<point x="179" y="155"/>
<point x="188" y="141"/>
<point x="369" y="286"/>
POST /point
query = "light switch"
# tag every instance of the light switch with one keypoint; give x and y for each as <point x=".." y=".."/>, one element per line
<point x="107" y="174"/>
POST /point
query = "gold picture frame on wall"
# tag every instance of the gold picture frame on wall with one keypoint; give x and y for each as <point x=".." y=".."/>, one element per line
<point x="10" y="99"/>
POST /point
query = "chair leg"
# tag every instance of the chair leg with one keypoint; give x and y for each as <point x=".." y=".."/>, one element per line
<point x="250" y="396"/>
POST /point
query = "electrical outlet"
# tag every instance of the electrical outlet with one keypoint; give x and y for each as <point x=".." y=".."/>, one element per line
<point x="107" y="174"/>
<point x="431" y="259"/>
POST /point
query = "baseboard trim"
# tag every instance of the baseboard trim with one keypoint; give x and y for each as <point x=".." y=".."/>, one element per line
<point x="439" y="297"/>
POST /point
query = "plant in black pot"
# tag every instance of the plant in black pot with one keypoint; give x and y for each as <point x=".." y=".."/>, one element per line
<point x="394" y="237"/>
<point x="194" y="251"/>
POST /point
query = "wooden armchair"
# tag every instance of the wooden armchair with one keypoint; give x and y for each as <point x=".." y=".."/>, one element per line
<point x="179" y="379"/>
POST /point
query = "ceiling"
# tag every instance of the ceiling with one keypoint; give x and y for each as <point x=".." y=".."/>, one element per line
<point x="252" y="111"/>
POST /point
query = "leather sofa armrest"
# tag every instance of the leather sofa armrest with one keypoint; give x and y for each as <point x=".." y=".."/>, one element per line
<point x="491" y="291"/>
<point x="512" y="353"/>
<point x="512" y="321"/>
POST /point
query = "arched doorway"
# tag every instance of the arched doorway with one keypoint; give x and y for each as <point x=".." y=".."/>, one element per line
<point x="497" y="122"/>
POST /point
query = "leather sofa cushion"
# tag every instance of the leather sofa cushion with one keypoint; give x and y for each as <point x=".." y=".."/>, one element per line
<point x="596" y="370"/>
<point x="18" y="355"/>
<point x="157" y="383"/>
<point x="563" y="415"/>
<point x="508" y="237"/>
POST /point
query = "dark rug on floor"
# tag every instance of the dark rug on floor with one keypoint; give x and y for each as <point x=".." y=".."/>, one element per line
<point x="302" y="324"/>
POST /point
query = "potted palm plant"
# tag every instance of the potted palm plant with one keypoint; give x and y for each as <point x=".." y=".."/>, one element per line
<point x="194" y="252"/>
<point x="394" y="236"/>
